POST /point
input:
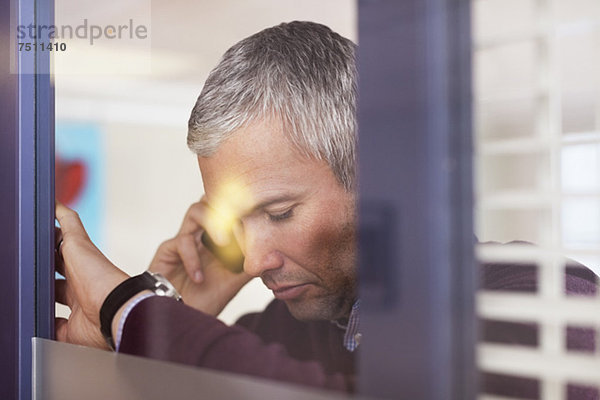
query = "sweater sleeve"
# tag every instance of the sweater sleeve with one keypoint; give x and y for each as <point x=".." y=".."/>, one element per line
<point x="523" y="278"/>
<point x="164" y="329"/>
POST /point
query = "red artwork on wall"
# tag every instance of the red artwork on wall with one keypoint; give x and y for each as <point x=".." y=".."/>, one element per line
<point x="70" y="179"/>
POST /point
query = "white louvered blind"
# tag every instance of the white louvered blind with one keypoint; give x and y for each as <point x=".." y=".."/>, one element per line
<point x="537" y="136"/>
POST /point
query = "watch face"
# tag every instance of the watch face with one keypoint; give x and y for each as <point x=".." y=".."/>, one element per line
<point x="161" y="289"/>
<point x="164" y="288"/>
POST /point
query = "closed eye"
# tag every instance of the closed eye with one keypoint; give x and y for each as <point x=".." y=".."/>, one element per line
<point x="281" y="217"/>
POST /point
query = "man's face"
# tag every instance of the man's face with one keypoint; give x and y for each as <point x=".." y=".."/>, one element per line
<point x="298" y="232"/>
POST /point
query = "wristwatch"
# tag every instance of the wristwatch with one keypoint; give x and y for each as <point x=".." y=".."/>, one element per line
<point x="125" y="291"/>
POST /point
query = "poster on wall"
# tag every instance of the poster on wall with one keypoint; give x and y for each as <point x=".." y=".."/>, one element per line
<point x="79" y="162"/>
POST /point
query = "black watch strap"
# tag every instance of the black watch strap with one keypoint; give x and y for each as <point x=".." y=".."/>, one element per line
<point x="119" y="296"/>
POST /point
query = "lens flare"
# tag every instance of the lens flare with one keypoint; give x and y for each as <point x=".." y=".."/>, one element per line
<point x="231" y="202"/>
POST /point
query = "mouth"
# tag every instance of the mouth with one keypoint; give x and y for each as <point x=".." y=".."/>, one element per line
<point x="289" y="292"/>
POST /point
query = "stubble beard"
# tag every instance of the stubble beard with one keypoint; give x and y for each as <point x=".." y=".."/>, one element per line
<point x="338" y="304"/>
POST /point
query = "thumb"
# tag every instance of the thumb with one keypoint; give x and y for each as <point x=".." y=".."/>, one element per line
<point x="60" y="325"/>
<point x="69" y="221"/>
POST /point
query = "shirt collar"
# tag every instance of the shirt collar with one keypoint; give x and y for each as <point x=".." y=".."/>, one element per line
<point x="352" y="336"/>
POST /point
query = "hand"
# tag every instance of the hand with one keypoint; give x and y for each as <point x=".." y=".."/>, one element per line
<point x="197" y="275"/>
<point x="90" y="277"/>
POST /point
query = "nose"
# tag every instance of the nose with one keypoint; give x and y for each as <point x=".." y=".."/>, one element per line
<point x="260" y="253"/>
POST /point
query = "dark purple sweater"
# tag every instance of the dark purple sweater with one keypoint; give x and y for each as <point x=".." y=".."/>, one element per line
<point x="274" y="345"/>
<point x="578" y="281"/>
<point x="271" y="344"/>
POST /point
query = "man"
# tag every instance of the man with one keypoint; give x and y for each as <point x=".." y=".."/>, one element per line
<point x="274" y="130"/>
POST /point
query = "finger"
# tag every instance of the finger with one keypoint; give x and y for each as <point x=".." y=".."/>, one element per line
<point x="188" y="253"/>
<point x="194" y="218"/>
<point x="59" y="264"/>
<point x="200" y="216"/>
<point x="61" y="329"/>
<point x="166" y="249"/>
<point x="57" y="238"/>
<point x="69" y="221"/>
<point x="61" y="293"/>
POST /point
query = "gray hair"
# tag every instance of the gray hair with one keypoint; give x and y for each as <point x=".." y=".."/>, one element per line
<point x="301" y="74"/>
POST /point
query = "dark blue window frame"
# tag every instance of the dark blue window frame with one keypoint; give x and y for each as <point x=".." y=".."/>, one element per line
<point x="27" y="204"/>
<point x="417" y="275"/>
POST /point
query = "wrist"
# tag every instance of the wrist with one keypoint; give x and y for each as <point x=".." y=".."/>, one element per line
<point x="119" y="314"/>
<point x="124" y="294"/>
<point x="110" y="283"/>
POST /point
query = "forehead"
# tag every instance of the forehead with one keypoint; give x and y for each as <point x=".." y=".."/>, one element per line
<point x="261" y="159"/>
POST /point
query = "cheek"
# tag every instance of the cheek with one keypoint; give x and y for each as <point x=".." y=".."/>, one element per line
<point x="320" y="246"/>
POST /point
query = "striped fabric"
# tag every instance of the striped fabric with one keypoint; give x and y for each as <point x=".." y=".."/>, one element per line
<point x="352" y="335"/>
